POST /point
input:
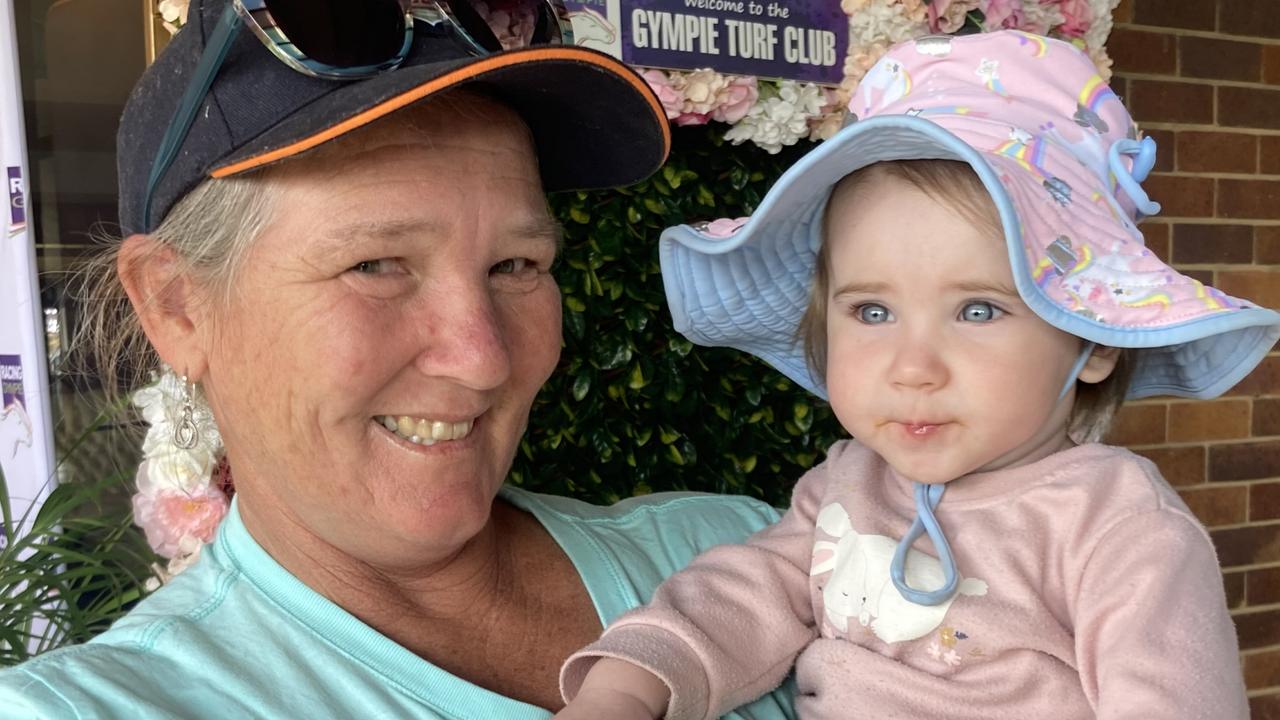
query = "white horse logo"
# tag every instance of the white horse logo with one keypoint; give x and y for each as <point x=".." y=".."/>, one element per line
<point x="593" y="30"/>
<point x="15" y="427"/>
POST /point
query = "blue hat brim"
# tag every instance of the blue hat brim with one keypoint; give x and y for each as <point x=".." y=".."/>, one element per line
<point x="749" y="291"/>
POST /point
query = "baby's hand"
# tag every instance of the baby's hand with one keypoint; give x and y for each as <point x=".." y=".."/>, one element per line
<point x="617" y="690"/>
<point x="605" y="703"/>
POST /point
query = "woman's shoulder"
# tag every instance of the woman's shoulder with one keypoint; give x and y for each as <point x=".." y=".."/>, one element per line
<point x="88" y="680"/>
<point x="128" y="670"/>
<point x="664" y="511"/>
<point x="623" y="551"/>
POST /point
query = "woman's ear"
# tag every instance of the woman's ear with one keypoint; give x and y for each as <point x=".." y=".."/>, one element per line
<point x="1102" y="361"/>
<point x="168" y="303"/>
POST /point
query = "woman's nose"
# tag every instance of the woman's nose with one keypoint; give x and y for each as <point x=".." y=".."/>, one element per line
<point x="464" y="339"/>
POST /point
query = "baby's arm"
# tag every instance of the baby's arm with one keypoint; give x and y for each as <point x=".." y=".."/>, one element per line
<point x="1153" y="636"/>
<point x="721" y="632"/>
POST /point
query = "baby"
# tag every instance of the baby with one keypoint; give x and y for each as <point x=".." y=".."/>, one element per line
<point x="979" y="302"/>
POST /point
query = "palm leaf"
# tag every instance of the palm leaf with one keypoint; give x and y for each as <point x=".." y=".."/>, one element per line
<point x="72" y="568"/>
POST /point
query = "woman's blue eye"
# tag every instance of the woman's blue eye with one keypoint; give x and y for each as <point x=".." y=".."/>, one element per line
<point x="980" y="312"/>
<point x="873" y="314"/>
<point x="372" y="267"/>
<point x="510" y="266"/>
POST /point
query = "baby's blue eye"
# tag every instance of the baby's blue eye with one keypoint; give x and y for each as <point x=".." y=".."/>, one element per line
<point x="873" y="314"/>
<point x="980" y="312"/>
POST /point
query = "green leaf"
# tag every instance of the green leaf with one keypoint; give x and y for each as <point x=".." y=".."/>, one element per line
<point x="674" y="454"/>
<point x="667" y="434"/>
<point x="575" y="303"/>
<point x="610" y="358"/>
<point x="581" y="385"/>
<point x="802" y="416"/>
<point x="636" y="380"/>
<point x="679" y="345"/>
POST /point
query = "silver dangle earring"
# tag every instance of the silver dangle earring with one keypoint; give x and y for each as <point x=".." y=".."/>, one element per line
<point x="186" y="434"/>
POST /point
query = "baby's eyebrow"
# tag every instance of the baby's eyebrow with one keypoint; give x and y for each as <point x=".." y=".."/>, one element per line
<point x="861" y="288"/>
<point x="985" y="288"/>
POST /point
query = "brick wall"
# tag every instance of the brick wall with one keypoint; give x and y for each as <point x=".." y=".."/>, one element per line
<point x="1203" y="78"/>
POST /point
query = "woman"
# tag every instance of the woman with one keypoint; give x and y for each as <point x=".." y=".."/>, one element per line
<point x="370" y="259"/>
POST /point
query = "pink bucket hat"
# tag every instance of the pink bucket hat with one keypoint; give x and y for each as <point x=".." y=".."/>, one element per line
<point x="1063" y="163"/>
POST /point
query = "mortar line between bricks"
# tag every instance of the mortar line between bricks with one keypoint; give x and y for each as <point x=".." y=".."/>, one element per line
<point x="1251" y="568"/>
<point x="1188" y="32"/>
<point x="1206" y="220"/>
<point x="1208" y="175"/>
<point x="1201" y="127"/>
<point x="1211" y="82"/>
<point x="1257" y="610"/>
<point x="1222" y="441"/>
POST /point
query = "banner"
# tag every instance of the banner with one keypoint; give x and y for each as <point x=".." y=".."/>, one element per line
<point x="26" y="429"/>
<point x="786" y="39"/>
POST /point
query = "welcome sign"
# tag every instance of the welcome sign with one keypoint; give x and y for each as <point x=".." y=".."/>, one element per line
<point x="787" y="39"/>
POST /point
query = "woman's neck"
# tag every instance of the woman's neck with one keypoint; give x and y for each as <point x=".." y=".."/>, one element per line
<point x="440" y="584"/>
<point x="502" y="611"/>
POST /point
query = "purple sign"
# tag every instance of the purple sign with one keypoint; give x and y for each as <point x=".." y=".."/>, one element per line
<point x="17" y="202"/>
<point x="789" y="39"/>
<point x="10" y="380"/>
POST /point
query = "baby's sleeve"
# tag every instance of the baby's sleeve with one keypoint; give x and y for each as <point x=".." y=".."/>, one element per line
<point x="1153" y="635"/>
<point x="727" y="628"/>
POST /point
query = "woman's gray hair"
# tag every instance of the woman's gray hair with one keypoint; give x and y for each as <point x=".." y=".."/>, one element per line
<point x="209" y="230"/>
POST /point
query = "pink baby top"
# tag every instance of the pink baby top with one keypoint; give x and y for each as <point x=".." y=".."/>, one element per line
<point x="1089" y="591"/>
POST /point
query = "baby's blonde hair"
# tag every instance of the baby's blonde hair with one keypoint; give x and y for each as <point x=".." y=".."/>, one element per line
<point x="955" y="184"/>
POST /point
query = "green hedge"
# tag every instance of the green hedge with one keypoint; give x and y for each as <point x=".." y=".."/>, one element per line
<point x="634" y="407"/>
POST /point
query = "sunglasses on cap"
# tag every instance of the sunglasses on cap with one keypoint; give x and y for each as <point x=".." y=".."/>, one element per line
<point x="353" y="39"/>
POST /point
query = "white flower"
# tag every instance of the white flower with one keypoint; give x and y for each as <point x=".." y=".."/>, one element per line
<point x="1041" y="17"/>
<point x="173" y="13"/>
<point x="701" y="90"/>
<point x="160" y="404"/>
<point x="826" y="126"/>
<point x="1095" y="38"/>
<point x="885" y="21"/>
<point x="175" y="469"/>
<point x="188" y="553"/>
<point x="934" y="650"/>
<point x="166" y="466"/>
<point x="780" y="119"/>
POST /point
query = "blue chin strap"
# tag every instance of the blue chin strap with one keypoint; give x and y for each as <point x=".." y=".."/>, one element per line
<point x="927" y="498"/>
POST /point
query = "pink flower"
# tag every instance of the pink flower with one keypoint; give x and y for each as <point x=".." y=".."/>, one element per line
<point x="736" y="99"/>
<point x="1078" y="15"/>
<point x="169" y="516"/>
<point x="691" y="118"/>
<point x="947" y="16"/>
<point x="672" y="99"/>
<point x="1004" y="14"/>
<point x="724" y="227"/>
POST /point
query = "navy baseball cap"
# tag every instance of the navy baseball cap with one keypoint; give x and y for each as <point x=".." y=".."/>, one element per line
<point x="595" y="122"/>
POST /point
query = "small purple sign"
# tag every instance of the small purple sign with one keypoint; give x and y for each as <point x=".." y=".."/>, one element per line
<point x="788" y="39"/>
<point x="11" y="380"/>
<point x="17" y="201"/>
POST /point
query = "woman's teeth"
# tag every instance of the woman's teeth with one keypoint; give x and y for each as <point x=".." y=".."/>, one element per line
<point x="425" y="432"/>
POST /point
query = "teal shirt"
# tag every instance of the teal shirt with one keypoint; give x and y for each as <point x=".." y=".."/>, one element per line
<point x="238" y="636"/>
